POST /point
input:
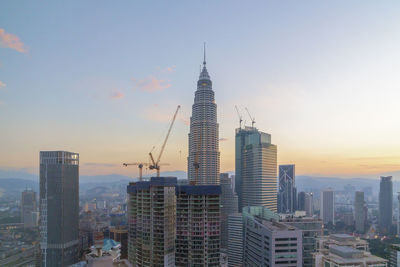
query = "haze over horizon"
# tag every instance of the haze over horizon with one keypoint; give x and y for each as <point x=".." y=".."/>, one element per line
<point x="321" y="78"/>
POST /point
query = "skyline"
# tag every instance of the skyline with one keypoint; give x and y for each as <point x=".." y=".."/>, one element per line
<point x="322" y="82"/>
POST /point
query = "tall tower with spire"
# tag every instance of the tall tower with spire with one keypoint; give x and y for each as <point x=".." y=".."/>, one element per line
<point x="203" y="159"/>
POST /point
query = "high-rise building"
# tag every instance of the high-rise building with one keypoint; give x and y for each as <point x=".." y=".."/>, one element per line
<point x="256" y="169"/>
<point x="385" y="204"/>
<point x="305" y="203"/>
<point x="229" y="205"/>
<point x="327" y="212"/>
<point x="359" y="212"/>
<point x="268" y="242"/>
<point x="152" y="222"/>
<point x="312" y="228"/>
<point x="235" y="240"/>
<point x="204" y="155"/>
<point x="398" y="214"/>
<point x="324" y="242"/>
<point x="59" y="208"/>
<point x="28" y="208"/>
<point x="287" y="189"/>
<point x="198" y="222"/>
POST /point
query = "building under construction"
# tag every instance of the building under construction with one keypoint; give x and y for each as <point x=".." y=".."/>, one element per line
<point x="172" y="225"/>
<point x="198" y="223"/>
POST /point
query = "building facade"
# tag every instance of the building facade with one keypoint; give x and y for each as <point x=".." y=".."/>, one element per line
<point x="385" y="204"/>
<point x="256" y="169"/>
<point x="311" y="228"/>
<point x="29" y="208"/>
<point x="287" y="189"/>
<point x="327" y="211"/>
<point x="268" y="242"/>
<point x="198" y="233"/>
<point x="204" y="155"/>
<point x="235" y="240"/>
<point x="359" y="215"/>
<point x="394" y="255"/>
<point x="59" y="208"/>
<point x="229" y="205"/>
<point x="152" y="221"/>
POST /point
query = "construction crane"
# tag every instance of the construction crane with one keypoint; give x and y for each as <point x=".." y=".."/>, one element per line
<point x="240" y="117"/>
<point x="140" y="166"/>
<point x="253" y="120"/>
<point x="155" y="165"/>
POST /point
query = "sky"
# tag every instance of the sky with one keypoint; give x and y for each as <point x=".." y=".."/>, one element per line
<point x="103" y="78"/>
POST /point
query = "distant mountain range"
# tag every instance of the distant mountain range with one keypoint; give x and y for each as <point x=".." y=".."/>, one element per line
<point x="17" y="181"/>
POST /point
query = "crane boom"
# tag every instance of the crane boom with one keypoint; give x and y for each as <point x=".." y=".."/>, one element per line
<point x="166" y="138"/>
<point x="253" y="120"/>
<point x="240" y="117"/>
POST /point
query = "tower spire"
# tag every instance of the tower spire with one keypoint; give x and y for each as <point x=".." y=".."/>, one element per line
<point x="204" y="62"/>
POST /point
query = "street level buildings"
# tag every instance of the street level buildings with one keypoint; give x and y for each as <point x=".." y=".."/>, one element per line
<point x="256" y="169"/>
<point x="59" y="208"/>
<point x="287" y="189"/>
<point x="229" y="205"/>
<point x="385" y="204"/>
<point x="204" y="155"/>
<point x="327" y="211"/>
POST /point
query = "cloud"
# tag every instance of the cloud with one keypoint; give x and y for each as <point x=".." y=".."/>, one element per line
<point x="171" y="68"/>
<point x="12" y="41"/>
<point x="223" y="139"/>
<point x="2" y="85"/>
<point x="151" y="84"/>
<point x="117" y="95"/>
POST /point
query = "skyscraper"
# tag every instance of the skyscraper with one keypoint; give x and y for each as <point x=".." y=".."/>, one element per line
<point x="327" y="206"/>
<point x="287" y="189"/>
<point x="256" y="169"/>
<point x="385" y="204"/>
<point x="359" y="212"/>
<point x="59" y="207"/>
<point x="203" y="159"/>
<point x="229" y="205"/>
<point x="28" y="208"/>
<point x="152" y="222"/>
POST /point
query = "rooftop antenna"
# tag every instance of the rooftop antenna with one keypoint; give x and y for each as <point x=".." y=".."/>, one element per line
<point x="204" y="61"/>
<point x="253" y="120"/>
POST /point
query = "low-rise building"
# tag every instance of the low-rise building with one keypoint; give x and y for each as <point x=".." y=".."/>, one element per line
<point x="337" y="256"/>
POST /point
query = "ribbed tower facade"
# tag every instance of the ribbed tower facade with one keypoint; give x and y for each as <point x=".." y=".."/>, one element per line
<point x="203" y="159"/>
